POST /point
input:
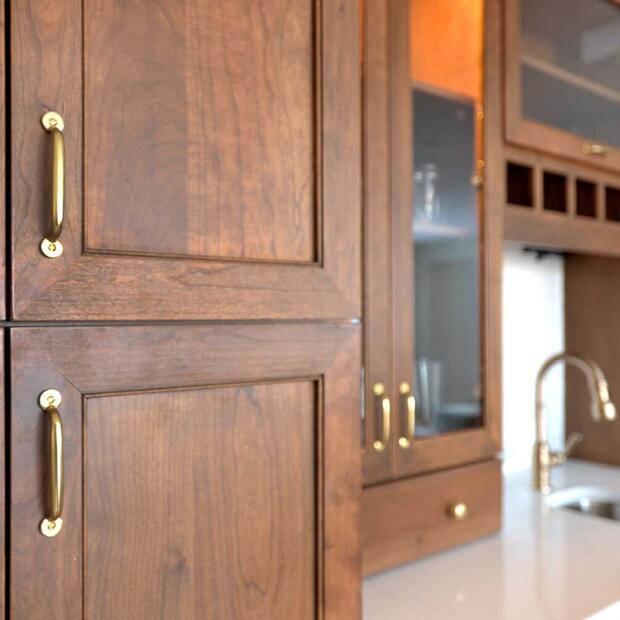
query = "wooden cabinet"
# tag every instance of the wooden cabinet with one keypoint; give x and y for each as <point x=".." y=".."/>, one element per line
<point x="210" y="472"/>
<point x="562" y="87"/>
<point x="195" y="305"/>
<point x="433" y="258"/>
<point x="211" y="159"/>
<point x="413" y="517"/>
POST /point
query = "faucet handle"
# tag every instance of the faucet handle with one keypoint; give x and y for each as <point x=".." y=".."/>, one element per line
<point x="571" y="444"/>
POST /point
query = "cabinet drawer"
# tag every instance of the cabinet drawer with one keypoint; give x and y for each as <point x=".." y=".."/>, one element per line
<point x="411" y="518"/>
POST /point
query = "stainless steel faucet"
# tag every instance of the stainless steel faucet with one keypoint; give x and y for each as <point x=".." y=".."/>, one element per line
<point x="601" y="408"/>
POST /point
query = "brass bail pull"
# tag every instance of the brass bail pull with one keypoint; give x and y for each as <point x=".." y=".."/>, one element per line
<point x="408" y="423"/>
<point x="51" y="525"/>
<point x="54" y="124"/>
<point x="382" y="432"/>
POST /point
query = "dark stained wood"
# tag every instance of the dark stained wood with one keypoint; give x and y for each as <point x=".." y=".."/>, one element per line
<point x="216" y="468"/>
<point x="201" y="503"/>
<point x="213" y="159"/>
<point x="378" y="361"/>
<point x="591" y="303"/>
<point x="524" y="132"/>
<point x="403" y="255"/>
<point x="203" y="148"/>
<point x="408" y="519"/>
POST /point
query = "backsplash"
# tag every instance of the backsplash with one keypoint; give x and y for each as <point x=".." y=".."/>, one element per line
<point x="533" y="329"/>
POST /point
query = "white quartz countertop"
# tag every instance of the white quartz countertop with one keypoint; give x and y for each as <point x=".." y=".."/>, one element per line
<point x="545" y="564"/>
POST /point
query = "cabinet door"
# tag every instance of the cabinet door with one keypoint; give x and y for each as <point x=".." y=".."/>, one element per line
<point x="209" y="472"/>
<point x="442" y="255"/>
<point x="562" y="80"/>
<point x="448" y="416"/>
<point x="211" y="159"/>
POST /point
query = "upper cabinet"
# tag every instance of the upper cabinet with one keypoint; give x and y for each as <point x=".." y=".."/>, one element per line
<point x="432" y="273"/>
<point x="203" y="163"/>
<point x="562" y="80"/>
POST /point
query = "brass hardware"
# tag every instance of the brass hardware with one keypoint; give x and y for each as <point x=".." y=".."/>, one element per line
<point x="458" y="511"/>
<point x="477" y="180"/>
<point x="50" y="526"/>
<point x="53" y="123"/>
<point x="544" y="459"/>
<point x="599" y="150"/>
<point x="404" y="441"/>
<point x="383" y="420"/>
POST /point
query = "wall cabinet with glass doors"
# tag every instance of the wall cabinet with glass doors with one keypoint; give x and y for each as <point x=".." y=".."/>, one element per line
<point x="562" y="86"/>
<point x="431" y="283"/>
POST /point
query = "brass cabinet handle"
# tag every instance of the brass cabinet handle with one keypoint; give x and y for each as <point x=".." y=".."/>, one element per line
<point x="408" y="400"/>
<point x="458" y="511"/>
<point x="54" y="124"/>
<point x="595" y="149"/>
<point x="383" y="419"/>
<point x="52" y="523"/>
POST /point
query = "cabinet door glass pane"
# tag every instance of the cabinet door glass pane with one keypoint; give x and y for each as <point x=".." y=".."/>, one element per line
<point x="445" y="233"/>
<point x="570" y="71"/>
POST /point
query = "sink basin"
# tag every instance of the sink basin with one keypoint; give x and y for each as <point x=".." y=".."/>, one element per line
<point x="606" y="509"/>
<point x="595" y="501"/>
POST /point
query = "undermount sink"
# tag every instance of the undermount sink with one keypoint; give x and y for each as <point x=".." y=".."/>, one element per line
<point x="595" y="501"/>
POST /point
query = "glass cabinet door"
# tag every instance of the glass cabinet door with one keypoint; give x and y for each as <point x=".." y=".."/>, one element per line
<point x="446" y="93"/>
<point x="563" y="60"/>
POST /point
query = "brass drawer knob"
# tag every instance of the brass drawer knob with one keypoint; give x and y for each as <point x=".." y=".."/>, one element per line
<point x="600" y="150"/>
<point x="458" y="511"/>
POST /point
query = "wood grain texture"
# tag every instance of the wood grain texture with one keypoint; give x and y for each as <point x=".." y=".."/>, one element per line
<point x="591" y="302"/>
<point x="199" y="125"/>
<point x="102" y="367"/>
<point x="378" y="324"/>
<point x="290" y="236"/>
<point x="201" y="503"/>
<point x="406" y="520"/>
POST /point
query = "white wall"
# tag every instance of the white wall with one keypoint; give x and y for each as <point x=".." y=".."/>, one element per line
<point x="533" y="329"/>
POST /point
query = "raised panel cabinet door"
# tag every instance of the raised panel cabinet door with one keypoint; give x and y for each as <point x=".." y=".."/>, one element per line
<point x="209" y="472"/>
<point x="211" y="159"/>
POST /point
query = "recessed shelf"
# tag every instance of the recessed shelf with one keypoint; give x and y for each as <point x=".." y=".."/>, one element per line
<point x="585" y="197"/>
<point x="612" y="203"/>
<point x="519" y="185"/>
<point x="554" y="192"/>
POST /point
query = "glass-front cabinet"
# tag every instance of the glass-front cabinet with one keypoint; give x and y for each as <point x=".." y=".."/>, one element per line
<point x="562" y="60"/>
<point x="426" y="267"/>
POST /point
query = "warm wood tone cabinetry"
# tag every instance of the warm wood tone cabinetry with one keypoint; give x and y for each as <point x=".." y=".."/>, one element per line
<point x="211" y="472"/>
<point x="563" y="51"/>
<point x="432" y="274"/>
<point x="413" y="517"/>
<point x="211" y="159"/>
<point x="200" y="318"/>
